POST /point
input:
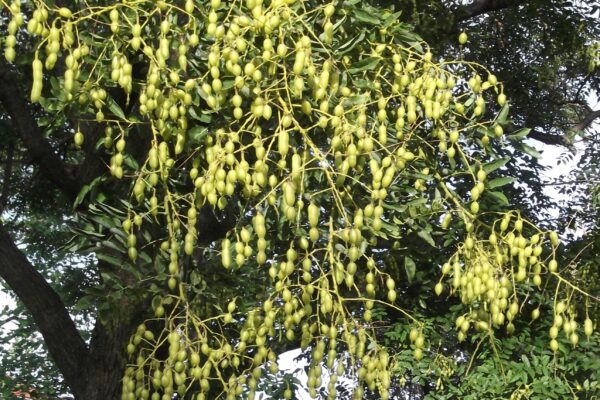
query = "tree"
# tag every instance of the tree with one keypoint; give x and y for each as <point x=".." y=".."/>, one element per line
<point x="279" y="175"/>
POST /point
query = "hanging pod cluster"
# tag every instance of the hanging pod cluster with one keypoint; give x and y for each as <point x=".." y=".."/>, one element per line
<point x="271" y="108"/>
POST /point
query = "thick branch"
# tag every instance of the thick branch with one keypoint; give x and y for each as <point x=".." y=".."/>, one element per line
<point x="66" y="346"/>
<point x="587" y="121"/>
<point x="480" y="7"/>
<point x="24" y="123"/>
<point x="10" y="154"/>
<point x="547" y="138"/>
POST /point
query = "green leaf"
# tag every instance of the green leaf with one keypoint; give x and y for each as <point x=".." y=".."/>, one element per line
<point x="501" y="197"/>
<point x="505" y="180"/>
<point x="115" y="108"/>
<point x="349" y="45"/>
<point x="494" y="165"/>
<point x="392" y="20"/>
<point x="423" y="234"/>
<point x="84" y="303"/>
<point x="364" y="16"/>
<point x="530" y="150"/>
<point x="117" y="262"/>
<point x="520" y="134"/>
<point x="131" y="162"/>
<point x="503" y="115"/>
<point x="196" y="134"/>
<point x="410" y="267"/>
<point x="364" y="65"/>
<point x="85" y="190"/>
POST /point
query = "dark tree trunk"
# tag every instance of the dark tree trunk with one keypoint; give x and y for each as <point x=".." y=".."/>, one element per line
<point x="92" y="372"/>
<point x="64" y="342"/>
<point x="106" y="362"/>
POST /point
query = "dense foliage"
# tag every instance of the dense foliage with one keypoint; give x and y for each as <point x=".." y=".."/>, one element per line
<point x="299" y="174"/>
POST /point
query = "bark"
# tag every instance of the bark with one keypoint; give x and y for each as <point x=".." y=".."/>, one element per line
<point x="547" y="138"/>
<point x="10" y="154"/>
<point x="480" y="7"/>
<point x="106" y="361"/>
<point x="24" y="123"/>
<point x="64" y="342"/>
<point x="588" y="120"/>
<point x="92" y="373"/>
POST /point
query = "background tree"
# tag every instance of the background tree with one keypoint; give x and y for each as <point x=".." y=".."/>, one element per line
<point x="39" y="141"/>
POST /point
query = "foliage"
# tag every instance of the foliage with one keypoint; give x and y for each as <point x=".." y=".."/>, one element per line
<point x="334" y="152"/>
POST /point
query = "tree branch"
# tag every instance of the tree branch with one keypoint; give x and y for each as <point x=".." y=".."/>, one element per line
<point x="587" y="121"/>
<point x="479" y="7"/>
<point x="24" y="123"/>
<point x="64" y="342"/>
<point x="10" y="154"/>
<point x="548" y="138"/>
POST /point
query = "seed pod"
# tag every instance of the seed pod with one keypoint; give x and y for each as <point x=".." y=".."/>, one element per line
<point x="65" y="12"/>
<point x="313" y="215"/>
<point x="588" y="327"/>
<point x="553" y="238"/>
<point x="289" y="193"/>
<point x="78" y="139"/>
<point x="283" y="142"/>
<point x="299" y="62"/>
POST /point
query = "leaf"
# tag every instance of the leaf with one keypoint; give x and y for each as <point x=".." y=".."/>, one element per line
<point x="85" y="190"/>
<point x="117" y="262"/>
<point x="115" y="108"/>
<point x="503" y="115"/>
<point x="197" y="134"/>
<point x="84" y="303"/>
<point x="410" y="267"/>
<point x="423" y="234"/>
<point x="494" y="165"/>
<point x="131" y="162"/>
<point x="364" y="65"/>
<point x="505" y="180"/>
<point x="520" y="134"/>
<point x="349" y="45"/>
<point x="364" y="16"/>
<point x="205" y="118"/>
<point x="530" y="150"/>
<point x="501" y="197"/>
<point x="392" y="20"/>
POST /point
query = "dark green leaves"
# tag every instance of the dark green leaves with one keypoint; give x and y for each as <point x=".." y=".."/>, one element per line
<point x="115" y="108"/>
<point x="498" y="182"/>
<point x="365" y="64"/>
<point x="365" y="16"/>
<point x="520" y="134"/>
<point x="494" y="165"/>
<point x="410" y="267"/>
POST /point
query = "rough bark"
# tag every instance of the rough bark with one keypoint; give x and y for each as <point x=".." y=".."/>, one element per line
<point x="106" y="361"/>
<point x="64" y="342"/>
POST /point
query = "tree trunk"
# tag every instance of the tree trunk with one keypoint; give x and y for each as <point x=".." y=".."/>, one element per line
<point x="106" y="363"/>
<point x="92" y="372"/>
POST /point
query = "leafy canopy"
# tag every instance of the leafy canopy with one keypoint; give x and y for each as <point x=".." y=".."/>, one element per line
<point x="330" y="145"/>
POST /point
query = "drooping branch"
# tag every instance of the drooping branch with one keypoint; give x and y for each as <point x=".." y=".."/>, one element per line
<point x="24" y="123"/>
<point x="480" y="7"/>
<point x="64" y="342"/>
